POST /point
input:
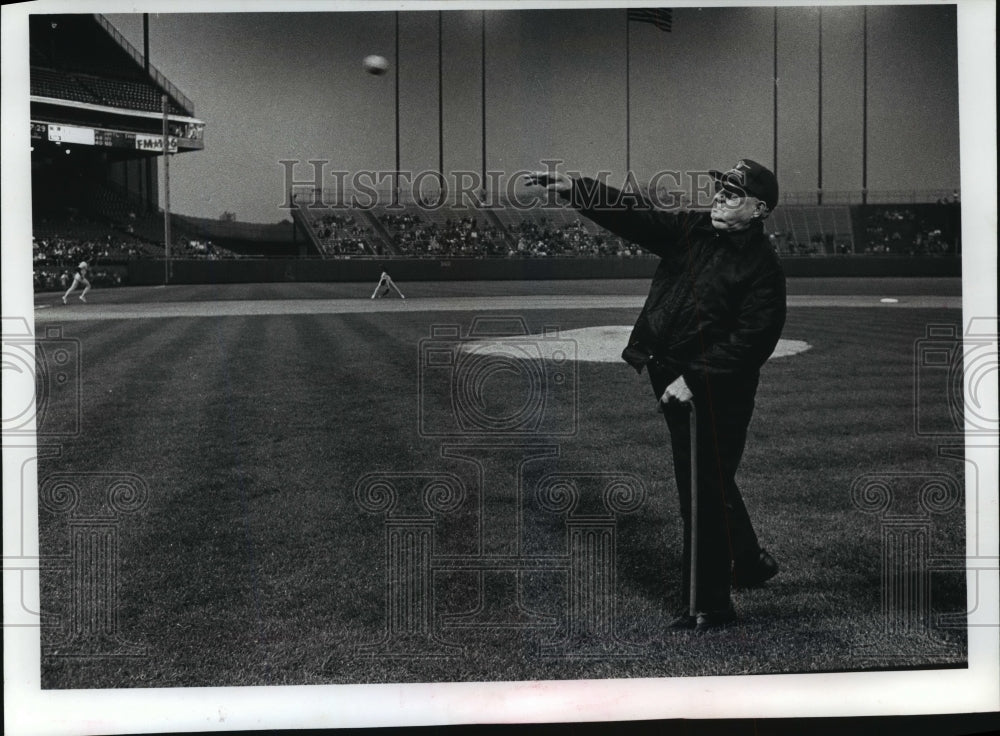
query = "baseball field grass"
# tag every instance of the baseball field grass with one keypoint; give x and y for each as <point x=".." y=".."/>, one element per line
<point x="257" y="554"/>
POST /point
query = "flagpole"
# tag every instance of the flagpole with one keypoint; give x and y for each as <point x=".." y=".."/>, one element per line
<point x="440" y="94"/>
<point x="166" y="191"/>
<point x="150" y="202"/>
<point x="483" y="93"/>
<point x="819" y="141"/>
<point x="628" y="98"/>
<point x="775" y="93"/>
<point x="661" y="19"/>
<point x="864" y="110"/>
<point x="395" y="175"/>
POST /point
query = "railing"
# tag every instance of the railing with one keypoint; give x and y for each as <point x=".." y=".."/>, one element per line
<point x="179" y="97"/>
<point x="856" y="196"/>
<point x="305" y="194"/>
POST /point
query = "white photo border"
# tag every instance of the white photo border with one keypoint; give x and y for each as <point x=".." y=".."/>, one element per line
<point x="32" y="710"/>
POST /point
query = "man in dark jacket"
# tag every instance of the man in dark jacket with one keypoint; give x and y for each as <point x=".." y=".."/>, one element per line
<point x="715" y="311"/>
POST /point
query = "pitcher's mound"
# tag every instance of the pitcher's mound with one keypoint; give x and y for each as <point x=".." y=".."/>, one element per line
<point x="604" y="344"/>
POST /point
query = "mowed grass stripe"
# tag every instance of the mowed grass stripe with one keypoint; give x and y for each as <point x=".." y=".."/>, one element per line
<point x="92" y="345"/>
<point x="143" y="405"/>
<point x="208" y="529"/>
<point x="203" y="528"/>
<point x="250" y="385"/>
<point x="136" y="393"/>
<point x="366" y="371"/>
<point x="884" y="332"/>
<point x="836" y="413"/>
<point x="296" y="397"/>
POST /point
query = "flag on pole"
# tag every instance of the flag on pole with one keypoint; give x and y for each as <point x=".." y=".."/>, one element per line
<point x="662" y="18"/>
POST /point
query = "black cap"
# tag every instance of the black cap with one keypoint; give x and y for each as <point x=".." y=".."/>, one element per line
<point x="750" y="178"/>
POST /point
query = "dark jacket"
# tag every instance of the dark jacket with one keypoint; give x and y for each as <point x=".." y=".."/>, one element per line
<point x="716" y="306"/>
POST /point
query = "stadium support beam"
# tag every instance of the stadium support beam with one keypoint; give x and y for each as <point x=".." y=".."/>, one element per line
<point x="864" y="108"/>
<point x="166" y="191"/>
<point x="145" y="61"/>
<point x="482" y="94"/>
<point x="395" y="175"/>
<point x="628" y="102"/>
<point x="774" y="93"/>
<point x="819" y="116"/>
<point x="441" y="94"/>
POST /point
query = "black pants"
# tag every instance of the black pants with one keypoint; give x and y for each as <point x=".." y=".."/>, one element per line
<point x="725" y="533"/>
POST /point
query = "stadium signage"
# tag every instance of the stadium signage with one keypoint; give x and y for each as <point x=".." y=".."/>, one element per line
<point x="154" y="143"/>
<point x="114" y="139"/>
<point x="71" y="134"/>
<point x="102" y="137"/>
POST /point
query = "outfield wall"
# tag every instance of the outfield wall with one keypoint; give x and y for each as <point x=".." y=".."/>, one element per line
<point x="282" y="270"/>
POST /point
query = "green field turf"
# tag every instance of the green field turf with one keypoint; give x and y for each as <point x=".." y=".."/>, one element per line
<point x="252" y="563"/>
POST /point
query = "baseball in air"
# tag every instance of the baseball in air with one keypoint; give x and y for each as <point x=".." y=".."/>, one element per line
<point x="376" y="65"/>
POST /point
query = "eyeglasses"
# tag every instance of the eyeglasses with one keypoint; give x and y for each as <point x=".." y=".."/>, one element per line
<point x="731" y="197"/>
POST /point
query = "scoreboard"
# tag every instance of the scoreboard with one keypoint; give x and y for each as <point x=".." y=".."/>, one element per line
<point x="114" y="139"/>
<point x="183" y="135"/>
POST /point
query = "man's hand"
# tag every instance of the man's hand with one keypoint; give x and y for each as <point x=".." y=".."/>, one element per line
<point x="678" y="392"/>
<point x="554" y="181"/>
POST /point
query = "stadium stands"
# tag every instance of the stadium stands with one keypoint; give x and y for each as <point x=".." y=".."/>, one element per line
<point x="339" y="233"/>
<point x="109" y="226"/>
<point x="456" y="231"/>
<point x="555" y="232"/>
<point x="82" y="57"/>
<point x="55" y="257"/>
<point x="128" y="94"/>
<point x="508" y="231"/>
<point x="61" y="85"/>
<point x="106" y="224"/>
<point x="910" y="230"/>
<point x="442" y="232"/>
<point x="811" y="229"/>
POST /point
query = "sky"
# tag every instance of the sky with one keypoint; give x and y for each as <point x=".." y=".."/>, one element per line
<point x="291" y="86"/>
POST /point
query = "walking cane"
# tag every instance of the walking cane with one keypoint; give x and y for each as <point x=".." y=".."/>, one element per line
<point x="693" y="425"/>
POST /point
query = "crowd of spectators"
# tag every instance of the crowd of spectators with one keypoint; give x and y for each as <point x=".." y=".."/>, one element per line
<point x="465" y="236"/>
<point x="543" y="238"/>
<point x="187" y="248"/>
<point x="59" y="251"/>
<point x="902" y="231"/>
<point x="341" y="235"/>
<point x="819" y="244"/>
<point x="456" y="237"/>
<point x="55" y="258"/>
<point x="914" y="230"/>
<point x="60" y="279"/>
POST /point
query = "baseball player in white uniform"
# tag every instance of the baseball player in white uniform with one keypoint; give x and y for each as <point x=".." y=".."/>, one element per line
<point x="80" y="277"/>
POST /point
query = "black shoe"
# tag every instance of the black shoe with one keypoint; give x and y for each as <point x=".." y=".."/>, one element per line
<point x="682" y="621"/>
<point x="719" y="619"/>
<point x="757" y="573"/>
